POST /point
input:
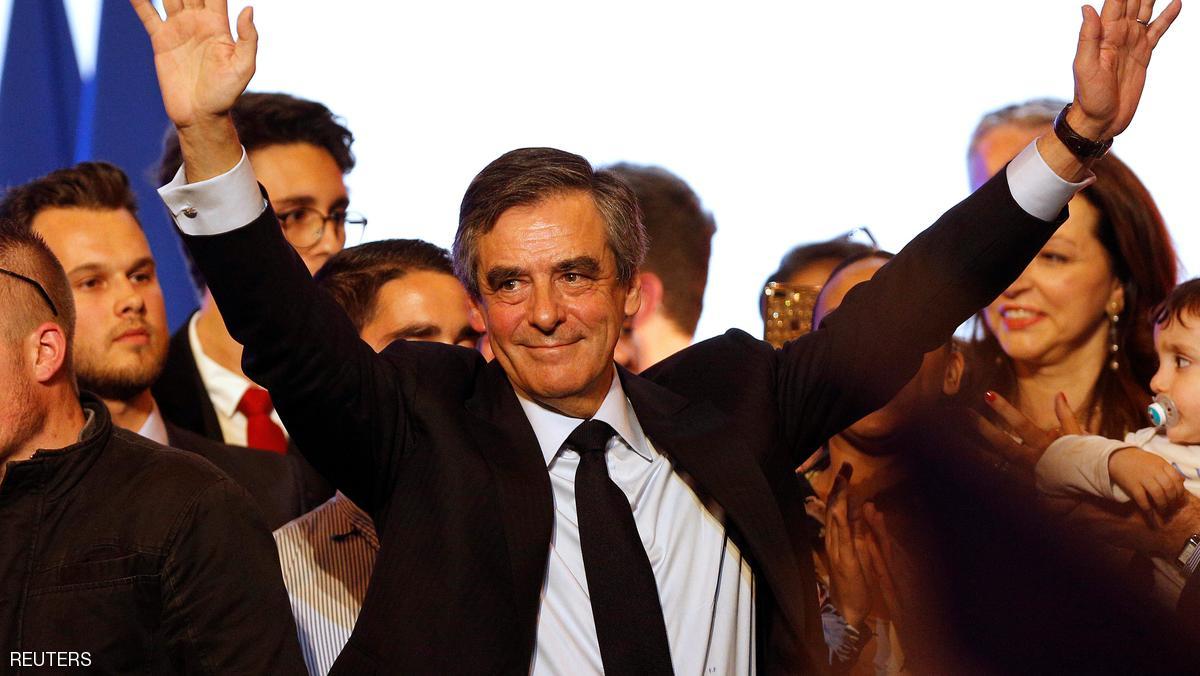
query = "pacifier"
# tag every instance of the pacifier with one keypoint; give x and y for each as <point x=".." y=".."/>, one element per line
<point x="1163" y="412"/>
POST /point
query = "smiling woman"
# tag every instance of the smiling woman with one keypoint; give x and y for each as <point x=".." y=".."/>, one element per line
<point x="1077" y="320"/>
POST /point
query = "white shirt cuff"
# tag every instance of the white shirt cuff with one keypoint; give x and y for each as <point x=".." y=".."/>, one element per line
<point x="1036" y="188"/>
<point x="217" y="205"/>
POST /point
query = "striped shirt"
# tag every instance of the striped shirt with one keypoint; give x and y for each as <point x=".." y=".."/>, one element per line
<point x="327" y="556"/>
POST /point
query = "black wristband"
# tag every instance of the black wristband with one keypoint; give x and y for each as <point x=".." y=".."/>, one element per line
<point x="1083" y="148"/>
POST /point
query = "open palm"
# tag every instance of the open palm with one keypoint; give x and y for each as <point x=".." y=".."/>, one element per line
<point x="201" y="69"/>
<point x="1110" y="62"/>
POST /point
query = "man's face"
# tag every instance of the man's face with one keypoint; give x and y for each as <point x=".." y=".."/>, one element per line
<point x="552" y="302"/>
<point x="121" y="326"/>
<point x="299" y="176"/>
<point x="421" y="305"/>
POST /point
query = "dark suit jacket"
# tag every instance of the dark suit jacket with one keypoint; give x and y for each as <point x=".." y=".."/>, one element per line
<point x="275" y="482"/>
<point x="185" y="406"/>
<point x="432" y="442"/>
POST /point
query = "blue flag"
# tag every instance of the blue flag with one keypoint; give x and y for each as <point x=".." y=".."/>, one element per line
<point x="39" y="93"/>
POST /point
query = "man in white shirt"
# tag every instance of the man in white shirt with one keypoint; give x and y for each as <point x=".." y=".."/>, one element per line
<point x="483" y="535"/>
<point x="87" y="215"/>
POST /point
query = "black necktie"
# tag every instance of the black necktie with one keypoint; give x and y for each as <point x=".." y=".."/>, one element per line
<point x="625" y="605"/>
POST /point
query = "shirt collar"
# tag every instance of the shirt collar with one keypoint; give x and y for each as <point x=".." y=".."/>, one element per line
<point x="553" y="428"/>
<point x="154" y="428"/>
<point x="349" y="520"/>
<point x="225" y="388"/>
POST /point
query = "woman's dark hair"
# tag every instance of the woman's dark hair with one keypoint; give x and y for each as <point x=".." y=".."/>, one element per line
<point x="1134" y="236"/>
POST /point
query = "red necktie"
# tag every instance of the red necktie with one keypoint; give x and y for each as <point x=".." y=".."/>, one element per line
<point x="261" y="432"/>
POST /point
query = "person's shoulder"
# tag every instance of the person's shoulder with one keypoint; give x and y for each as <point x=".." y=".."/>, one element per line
<point x="734" y="349"/>
<point x="451" y="369"/>
<point x="167" y="473"/>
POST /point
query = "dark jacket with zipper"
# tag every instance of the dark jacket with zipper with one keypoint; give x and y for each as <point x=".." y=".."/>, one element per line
<point x="144" y="559"/>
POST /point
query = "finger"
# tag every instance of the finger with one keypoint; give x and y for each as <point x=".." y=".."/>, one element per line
<point x="247" y="40"/>
<point x="1002" y="442"/>
<point x="1087" y="52"/>
<point x="1112" y="10"/>
<point x="1158" y="495"/>
<point x="1145" y="10"/>
<point x="149" y="16"/>
<point x="1015" y="419"/>
<point x="172" y="7"/>
<point x="218" y="6"/>
<point x="1141" y="499"/>
<point x="1160" y="25"/>
<point x="1066" y="417"/>
<point x="193" y="4"/>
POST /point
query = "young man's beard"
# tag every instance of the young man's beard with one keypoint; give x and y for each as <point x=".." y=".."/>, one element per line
<point x="120" y="384"/>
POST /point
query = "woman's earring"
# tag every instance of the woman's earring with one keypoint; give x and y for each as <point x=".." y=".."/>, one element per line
<point x="1113" y="346"/>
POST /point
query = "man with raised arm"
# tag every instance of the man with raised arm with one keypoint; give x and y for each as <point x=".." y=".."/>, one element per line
<point x="549" y="512"/>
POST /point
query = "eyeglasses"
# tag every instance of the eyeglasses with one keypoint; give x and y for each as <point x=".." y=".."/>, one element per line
<point x="305" y="226"/>
<point x="36" y="284"/>
<point x="858" y="234"/>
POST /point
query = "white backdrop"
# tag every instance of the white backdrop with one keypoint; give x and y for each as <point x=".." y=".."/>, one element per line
<point x="793" y="121"/>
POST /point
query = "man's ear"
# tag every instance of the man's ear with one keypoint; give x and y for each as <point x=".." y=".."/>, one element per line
<point x="952" y="378"/>
<point x="475" y="314"/>
<point x="651" y="297"/>
<point x="48" y="346"/>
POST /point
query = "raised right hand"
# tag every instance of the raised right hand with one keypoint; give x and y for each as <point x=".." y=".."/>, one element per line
<point x="201" y="70"/>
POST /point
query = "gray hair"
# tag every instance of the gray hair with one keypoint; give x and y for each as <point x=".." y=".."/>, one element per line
<point x="526" y="176"/>
<point x="1031" y="113"/>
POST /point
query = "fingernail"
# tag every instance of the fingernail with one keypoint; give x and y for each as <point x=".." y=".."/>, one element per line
<point x="990" y="396"/>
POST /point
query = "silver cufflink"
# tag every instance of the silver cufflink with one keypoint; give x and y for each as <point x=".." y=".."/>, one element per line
<point x="190" y="212"/>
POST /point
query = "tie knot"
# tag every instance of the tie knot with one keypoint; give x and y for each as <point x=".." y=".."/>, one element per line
<point x="590" y="437"/>
<point x="256" y="401"/>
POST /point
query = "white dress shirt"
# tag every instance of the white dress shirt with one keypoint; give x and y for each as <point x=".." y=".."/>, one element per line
<point x="326" y="557"/>
<point x="155" y="429"/>
<point x="225" y="390"/>
<point x="705" y="585"/>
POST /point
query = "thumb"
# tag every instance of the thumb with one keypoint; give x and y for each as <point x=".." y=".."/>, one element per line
<point x="1087" y="53"/>
<point x="247" y="42"/>
<point x="1066" y="417"/>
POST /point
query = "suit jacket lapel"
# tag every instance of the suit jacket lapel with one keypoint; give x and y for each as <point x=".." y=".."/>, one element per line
<point x="695" y="436"/>
<point x="503" y="434"/>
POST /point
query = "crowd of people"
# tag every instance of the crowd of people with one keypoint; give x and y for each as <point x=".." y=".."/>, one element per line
<point x="513" y="457"/>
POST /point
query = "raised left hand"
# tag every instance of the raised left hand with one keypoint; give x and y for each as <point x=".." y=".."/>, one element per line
<point x="1110" y="63"/>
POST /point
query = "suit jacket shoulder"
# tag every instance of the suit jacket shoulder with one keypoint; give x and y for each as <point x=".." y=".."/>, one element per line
<point x="273" y="481"/>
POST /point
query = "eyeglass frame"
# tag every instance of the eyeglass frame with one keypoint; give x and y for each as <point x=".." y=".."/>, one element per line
<point x="36" y="284"/>
<point x="348" y="217"/>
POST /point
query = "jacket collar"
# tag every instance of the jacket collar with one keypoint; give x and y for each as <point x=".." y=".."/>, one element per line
<point x="57" y="471"/>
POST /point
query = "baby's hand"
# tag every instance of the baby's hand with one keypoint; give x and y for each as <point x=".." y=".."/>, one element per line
<point x="1151" y="481"/>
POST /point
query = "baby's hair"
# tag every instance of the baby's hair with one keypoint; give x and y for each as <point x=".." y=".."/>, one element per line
<point x="1183" y="300"/>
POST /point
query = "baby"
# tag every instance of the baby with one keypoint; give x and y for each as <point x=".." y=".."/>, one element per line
<point x="1152" y="466"/>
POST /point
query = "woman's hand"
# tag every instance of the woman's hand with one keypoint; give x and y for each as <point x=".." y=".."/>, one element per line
<point x="1023" y="443"/>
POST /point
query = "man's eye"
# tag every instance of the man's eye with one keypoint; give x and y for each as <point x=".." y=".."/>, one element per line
<point x="572" y="277"/>
<point x="90" y="283"/>
<point x="509" y="285"/>
<point x="291" y="217"/>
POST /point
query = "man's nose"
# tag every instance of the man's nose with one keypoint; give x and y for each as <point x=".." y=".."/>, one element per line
<point x="546" y="310"/>
<point x="129" y="298"/>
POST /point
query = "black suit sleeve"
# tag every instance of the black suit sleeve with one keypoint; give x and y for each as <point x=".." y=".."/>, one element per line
<point x="341" y="402"/>
<point x="873" y="344"/>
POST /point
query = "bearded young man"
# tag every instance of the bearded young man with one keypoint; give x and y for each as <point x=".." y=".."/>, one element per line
<point x="549" y="512"/>
<point x="87" y="215"/>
